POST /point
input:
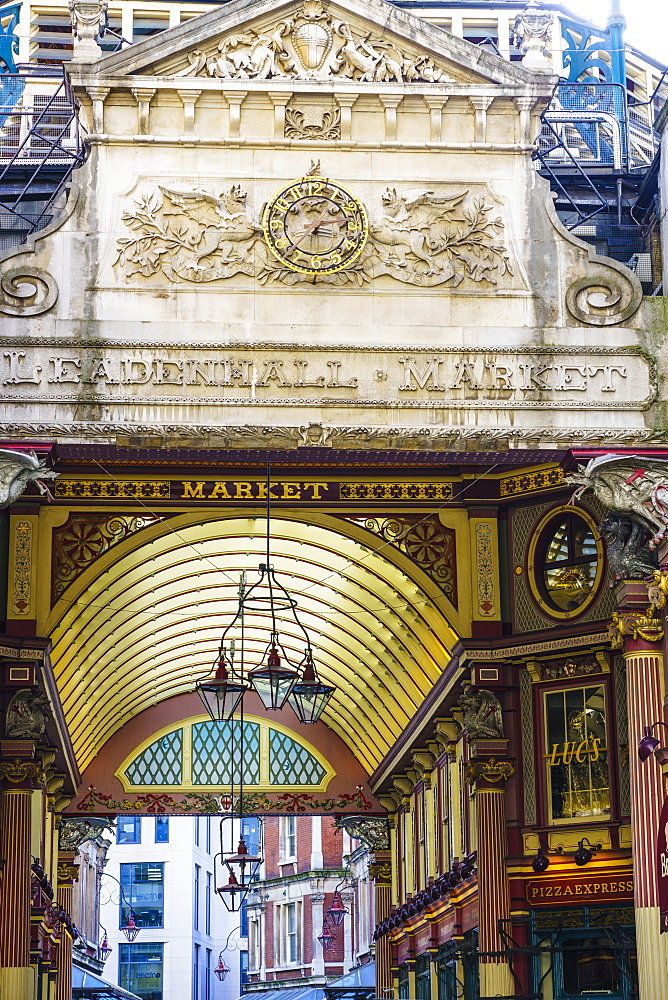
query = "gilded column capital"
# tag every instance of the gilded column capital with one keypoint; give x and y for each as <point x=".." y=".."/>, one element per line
<point x="488" y="770"/>
<point x="657" y="590"/>
<point x="635" y="624"/>
<point x="380" y="872"/>
<point x="67" y="873"/>
<point x="18" y="771"/>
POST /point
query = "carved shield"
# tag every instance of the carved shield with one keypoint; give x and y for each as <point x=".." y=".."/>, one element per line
<point x="311" y="42"/>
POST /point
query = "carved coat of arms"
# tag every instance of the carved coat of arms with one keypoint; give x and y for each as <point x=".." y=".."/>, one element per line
<point x="417" y="236"/>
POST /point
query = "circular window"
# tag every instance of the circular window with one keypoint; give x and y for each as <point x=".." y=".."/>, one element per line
<point x="565" y="562"/>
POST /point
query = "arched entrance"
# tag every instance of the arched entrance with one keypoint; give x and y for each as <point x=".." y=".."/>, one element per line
<point x="143" y="621"/>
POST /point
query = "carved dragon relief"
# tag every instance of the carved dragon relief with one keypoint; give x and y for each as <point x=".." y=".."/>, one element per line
<point x="311" y="46"/>
<point x="419" y="237"/>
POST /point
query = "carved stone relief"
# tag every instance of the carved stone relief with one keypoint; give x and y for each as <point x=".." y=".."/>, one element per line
<point x="25" y="718"/>
<point x="419" y="237"/>
<point x="27" y="291"/>
<point x="635" y="486"/>
<point x="483" y="717"/>
<point x="17" y="469"/>
<point x="312" y="46"/>
<point x="312" y="121"/>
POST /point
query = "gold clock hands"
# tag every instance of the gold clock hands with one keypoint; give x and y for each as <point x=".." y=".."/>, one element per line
<point x="312" y="228"/>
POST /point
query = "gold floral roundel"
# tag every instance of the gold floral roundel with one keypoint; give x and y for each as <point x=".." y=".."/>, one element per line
<point x="315" y="226"/>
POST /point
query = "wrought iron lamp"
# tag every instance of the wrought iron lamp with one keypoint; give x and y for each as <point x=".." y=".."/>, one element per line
<point x="105" y="948"/>
<point x="648" y="744"/>
<point x="221" y="969"/>
<point x="326" y="937"/>
<point x="130" y="928"/>
<point x="336" y="911"/>
<point x="583" y="855"/>
<point x="221" y="694"/>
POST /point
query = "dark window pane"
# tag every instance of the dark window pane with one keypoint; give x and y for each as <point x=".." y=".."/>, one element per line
<point x="589" y="966"/>
<point x="143" y="887"/>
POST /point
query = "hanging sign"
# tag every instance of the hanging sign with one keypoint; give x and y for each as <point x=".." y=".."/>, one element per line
<point x="662" y="866"/>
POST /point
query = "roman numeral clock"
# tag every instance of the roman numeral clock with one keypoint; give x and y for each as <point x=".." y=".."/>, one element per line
<point x="315" y="226"/>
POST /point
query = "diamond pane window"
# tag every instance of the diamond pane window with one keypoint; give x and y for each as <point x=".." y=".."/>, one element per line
<point x="215" y="752"/>
<point x="160" y="763"/>
<point x="290" y="763"/>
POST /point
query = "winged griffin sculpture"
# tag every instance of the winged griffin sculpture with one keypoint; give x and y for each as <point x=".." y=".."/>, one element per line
<point x="17" y="469"/>
<point x="632" y="485"/>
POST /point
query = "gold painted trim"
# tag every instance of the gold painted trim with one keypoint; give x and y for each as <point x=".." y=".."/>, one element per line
<point x="186" y="758"/>
<point x="531" y="563"/>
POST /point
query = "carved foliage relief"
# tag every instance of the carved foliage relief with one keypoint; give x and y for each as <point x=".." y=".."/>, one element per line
<point x="312" y="45"/>
<point x="419" y="237"/>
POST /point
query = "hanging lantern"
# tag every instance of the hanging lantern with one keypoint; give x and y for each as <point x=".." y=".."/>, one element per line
<point x="130" y="929"/>
<point x="105" y="950"/>
<point x="220" y="695"/>
<point x="309" y="695"/>
<point x="327" y="938"/>
<point x="337" y="910"/>
<point x="221" y="969"/>
<point x="243" y="858"/>
<point x="272" y="681"/>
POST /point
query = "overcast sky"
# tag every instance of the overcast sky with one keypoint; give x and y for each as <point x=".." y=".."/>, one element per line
<point x="647" y="22"/>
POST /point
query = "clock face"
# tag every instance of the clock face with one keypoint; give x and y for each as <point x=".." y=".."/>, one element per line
<point x="315" y="226"/>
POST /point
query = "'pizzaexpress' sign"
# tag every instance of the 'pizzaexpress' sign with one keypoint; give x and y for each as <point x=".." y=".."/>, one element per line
<point x="600" y="887"/>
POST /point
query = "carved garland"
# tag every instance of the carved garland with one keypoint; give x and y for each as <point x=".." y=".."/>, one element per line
<point x="207" y="802"/>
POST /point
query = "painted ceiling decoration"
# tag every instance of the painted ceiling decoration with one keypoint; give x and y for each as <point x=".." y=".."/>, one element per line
<point x="200" y="753"/>
<point x="142" y="623"/>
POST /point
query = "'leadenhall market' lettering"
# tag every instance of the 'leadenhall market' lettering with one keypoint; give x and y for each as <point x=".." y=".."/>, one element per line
<point x="471" y="377"/>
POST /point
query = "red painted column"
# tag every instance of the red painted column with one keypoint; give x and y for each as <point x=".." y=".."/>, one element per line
<point x="489" y="776"/>
<point x="640" y="636"/>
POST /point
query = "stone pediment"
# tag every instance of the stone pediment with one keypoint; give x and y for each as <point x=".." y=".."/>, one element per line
<point x="349" y="41"/>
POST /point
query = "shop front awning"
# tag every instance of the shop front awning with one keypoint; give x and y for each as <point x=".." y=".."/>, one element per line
<point x="87" y="986"/>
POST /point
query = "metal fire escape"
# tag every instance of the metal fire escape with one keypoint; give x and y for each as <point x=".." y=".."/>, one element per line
<point x="41" y="142"/>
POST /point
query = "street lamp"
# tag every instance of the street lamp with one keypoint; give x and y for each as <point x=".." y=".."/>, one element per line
<point x="221" y="969"/>
<point x="130" y="928"/>
<point x="648" y="743"/>
<point x="105" y="948"/>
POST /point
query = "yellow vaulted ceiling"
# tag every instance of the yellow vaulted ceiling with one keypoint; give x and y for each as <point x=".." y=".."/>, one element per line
<point x="144" y="623"/>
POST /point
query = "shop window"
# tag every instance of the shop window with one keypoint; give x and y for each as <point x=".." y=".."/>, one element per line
<point x="449" y="987"/>
<point x="595" y="956"/>
<point x="403" y="982"/>
<point x="565" y="563"/>
<point x="140" y="969"/>
<point x="576" y="753"/>
<point x="144" y="889"/>
<point x="422" y="978"/>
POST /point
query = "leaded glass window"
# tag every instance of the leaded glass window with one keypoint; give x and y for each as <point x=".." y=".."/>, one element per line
<point x="159" y="764"/>
<point x="216" y="753"/>
<point x="290" y="763"/>
<point x="204" y="754"/>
